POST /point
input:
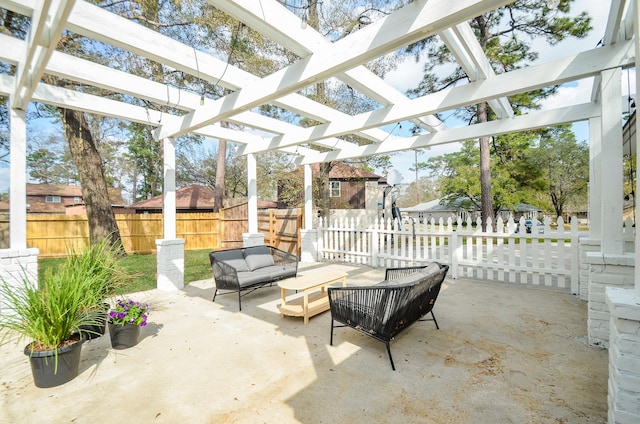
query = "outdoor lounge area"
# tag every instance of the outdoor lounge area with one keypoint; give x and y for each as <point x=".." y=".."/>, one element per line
<point x="502" y="354"/>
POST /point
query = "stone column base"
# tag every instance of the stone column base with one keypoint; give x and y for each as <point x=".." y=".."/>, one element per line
<point x="252" y="239"/>
<point x="170" y="264"/>
<point x="624" y="355"/>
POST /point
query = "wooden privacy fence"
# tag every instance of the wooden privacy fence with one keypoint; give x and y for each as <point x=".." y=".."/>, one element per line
<point x="549" y="258"/>
<point x="54" y="235"/>
<point x="281" y="228"/>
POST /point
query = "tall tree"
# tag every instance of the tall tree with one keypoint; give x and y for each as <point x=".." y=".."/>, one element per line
<point x="565" y="163"/>
<point x="516" y="177"/>
<point x="506" y="35"/>
<point x="85" y="154"/>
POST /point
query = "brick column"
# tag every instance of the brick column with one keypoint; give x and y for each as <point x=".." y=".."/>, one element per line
<point x="624" y="356"/>
<point x="16" y="265"/>
<point x="605" y="271"/>
<point x="170" y="264"/>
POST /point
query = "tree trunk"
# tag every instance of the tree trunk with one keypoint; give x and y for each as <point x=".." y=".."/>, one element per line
<point x="221" y="170"/>
<point x="485" y="171"/>
<point x="85" y="155"/>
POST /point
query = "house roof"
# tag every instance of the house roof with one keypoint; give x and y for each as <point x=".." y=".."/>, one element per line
<point x="190" y="197"/>
<point x="115" y="194"/>
<point x="54" y="190"/>
<point x="43" y="190"/>
<point x="432" y="205"/>
<point x="436" y="206"/>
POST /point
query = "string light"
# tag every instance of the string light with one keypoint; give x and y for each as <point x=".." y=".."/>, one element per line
<point x="552" y="4"/>
<point x="195" y="54"/>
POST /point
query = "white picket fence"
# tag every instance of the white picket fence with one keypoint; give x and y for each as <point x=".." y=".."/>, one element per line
<point x="548" y="259"/>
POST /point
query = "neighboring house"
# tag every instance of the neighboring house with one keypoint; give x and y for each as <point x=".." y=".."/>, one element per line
<point x="60" y="199"/>
<point x="353" y="192"/>
<point x="436" y="209"/>
<point x="193" y="198"/>
<point x="190" y="199"/>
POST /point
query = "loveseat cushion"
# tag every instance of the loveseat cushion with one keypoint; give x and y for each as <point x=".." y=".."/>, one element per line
<point x="250" y="278"/>
<point x="407" y="279"/>
<point x="233" y="258"/>
<point x="277" y="272"/>
<point x="258" y="257"/>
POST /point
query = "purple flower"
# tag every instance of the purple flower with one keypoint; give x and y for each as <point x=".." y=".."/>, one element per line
<point x="128" y="311"/>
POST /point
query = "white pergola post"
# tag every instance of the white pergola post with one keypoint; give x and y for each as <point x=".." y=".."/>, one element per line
<point x="18" y="179"/>
<point x="595" y="170"/>
<point x="308" y="198"/>
<point x="610" y="266"/>
<point x="169" y="189"/>
<point x="18" y="262"/>
<point x="253" y="237"/>
<point x="170" y="250"/>
<point x="624" y="307"/>
<point x="611" y="161"/>
<point x="594" y="197"/>
<point x="309" y="237"/>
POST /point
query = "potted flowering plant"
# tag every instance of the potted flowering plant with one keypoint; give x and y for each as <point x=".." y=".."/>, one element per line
<point x="57" y="312"/>
<point x="125" y="320"/>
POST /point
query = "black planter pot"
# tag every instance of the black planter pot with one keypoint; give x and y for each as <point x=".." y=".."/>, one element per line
<point x="124" y="336"/>
<point x="43" y="364"/>
<point x="90" y="332"/>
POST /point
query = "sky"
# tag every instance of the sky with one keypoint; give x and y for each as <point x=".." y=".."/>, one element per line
<point x="409" y="73"/>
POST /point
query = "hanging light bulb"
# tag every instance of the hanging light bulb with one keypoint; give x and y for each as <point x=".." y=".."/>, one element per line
<point x="552" y="4"/>
<point x="303" y="24"/>
<point x="202" y="100"/>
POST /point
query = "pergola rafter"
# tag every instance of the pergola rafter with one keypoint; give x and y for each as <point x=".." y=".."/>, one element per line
<point x="306" y="41"/>
<point x="412" y="23"/>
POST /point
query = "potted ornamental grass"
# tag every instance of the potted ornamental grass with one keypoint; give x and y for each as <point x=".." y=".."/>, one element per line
<point x="100" y="264"/>
<point x="49" y="314"/>
<point x="125" y="320"/>
<point x="52" y="312"/>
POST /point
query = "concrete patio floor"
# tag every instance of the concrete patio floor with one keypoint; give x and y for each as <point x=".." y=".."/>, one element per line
<point x="503" y="354"/>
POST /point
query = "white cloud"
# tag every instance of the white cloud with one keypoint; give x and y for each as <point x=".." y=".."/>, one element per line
<point x="406" y="76"/>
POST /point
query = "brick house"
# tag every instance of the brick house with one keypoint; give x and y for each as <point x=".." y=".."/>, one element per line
<point x="353" y="192"/>
<point x="61" y="199"/>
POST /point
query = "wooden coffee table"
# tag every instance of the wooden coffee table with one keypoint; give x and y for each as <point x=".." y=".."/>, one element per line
<point x="314" y="298"/>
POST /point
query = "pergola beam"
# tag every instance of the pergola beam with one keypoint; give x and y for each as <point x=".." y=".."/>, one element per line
<point x="44" y="33"/>
<point x="531" y="121"/>
<point x="409" y="24"/>
<point x="613" y="32"/>
<point x="469" y="54"/>
<point x="269" y="18"/>
<point x="566" y="69"/>
<point x="94" y="22"/>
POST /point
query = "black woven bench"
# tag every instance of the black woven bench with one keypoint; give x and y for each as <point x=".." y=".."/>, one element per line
<point x="384" y="310"/>
<point x="249" y="268"/>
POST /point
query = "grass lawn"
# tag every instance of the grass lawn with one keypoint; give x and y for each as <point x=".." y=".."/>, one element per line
<point x="196" y="267"/>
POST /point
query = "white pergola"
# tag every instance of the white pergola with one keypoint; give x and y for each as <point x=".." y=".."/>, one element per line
<point x="321" y="59"/>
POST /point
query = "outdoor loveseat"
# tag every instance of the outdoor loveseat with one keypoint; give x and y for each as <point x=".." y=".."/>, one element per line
<point x="384" y="310"/>
<point x="249" y="268"/>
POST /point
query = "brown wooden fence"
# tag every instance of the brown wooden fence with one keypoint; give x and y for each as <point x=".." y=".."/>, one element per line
<point x="54" y="235"/>
<point x="281" y="228"/>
